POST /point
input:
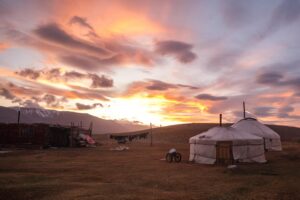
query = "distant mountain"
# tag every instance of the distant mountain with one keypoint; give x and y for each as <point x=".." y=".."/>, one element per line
<point x="37" y="115"/>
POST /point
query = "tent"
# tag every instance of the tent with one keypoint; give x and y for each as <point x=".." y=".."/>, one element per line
<point x="272" y="140"/>
<point x="226" y="145"/>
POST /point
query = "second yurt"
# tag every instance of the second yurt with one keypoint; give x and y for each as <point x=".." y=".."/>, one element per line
<point x="226" y="145"/>
<point x="272" y="141"/>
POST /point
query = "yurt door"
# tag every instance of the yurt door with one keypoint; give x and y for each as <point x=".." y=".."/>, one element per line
<point x="224" y="153"/>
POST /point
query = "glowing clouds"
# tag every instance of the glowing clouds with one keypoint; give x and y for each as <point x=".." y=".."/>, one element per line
<point x="168" y="101"/>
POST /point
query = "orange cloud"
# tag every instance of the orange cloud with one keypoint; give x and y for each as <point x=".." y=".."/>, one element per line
<point x="4" y="46"/>
<point x="116" y="18"/>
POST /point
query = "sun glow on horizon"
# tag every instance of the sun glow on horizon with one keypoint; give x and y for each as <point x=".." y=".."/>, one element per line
<point x="144" y="109"/>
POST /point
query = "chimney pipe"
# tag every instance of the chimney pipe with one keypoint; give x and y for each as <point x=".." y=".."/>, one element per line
<point x="19" y="115"/>
<point x="220" y="119"/>
<point x="244" y="109"/>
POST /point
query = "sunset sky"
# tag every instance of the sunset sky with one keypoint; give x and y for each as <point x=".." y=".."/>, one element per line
<point x="159" y="61"/>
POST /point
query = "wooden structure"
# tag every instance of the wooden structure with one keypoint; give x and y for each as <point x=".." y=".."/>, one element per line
<point x="224" y="153"/>
<point x="40" y="135"/>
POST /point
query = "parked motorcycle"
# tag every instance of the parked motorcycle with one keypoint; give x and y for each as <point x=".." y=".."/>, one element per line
<point x="173" y="155"/>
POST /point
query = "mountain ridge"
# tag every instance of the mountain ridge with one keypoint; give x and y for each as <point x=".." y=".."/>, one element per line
<point x="38" y="115"/>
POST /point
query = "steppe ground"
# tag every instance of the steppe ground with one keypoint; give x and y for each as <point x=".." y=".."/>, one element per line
<point x="139" y="173"/>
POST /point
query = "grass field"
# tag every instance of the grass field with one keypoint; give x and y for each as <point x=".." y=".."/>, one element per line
<point x="139" y="173"/>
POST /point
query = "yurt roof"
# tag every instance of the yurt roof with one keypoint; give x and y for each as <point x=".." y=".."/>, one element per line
<point x="224" y="134"/>
<point x="253" y="126"/>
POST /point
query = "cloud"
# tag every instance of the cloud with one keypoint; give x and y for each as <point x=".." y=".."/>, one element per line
<point x="21" y="91"/>
<point x="3" y="46"/>
<point x="32" y="74"/>
<point x="81" y="106"/>
<point x="188" y="86"/>
<point x="97" y="53"/>
<point x="94" y="54"/>
<point x="224" y="58"/>
<point x="264" y="111"/>
<point x="74" y="75"/>
<point x="155" y="86"/>
<point x="286" y="13"/>
<point x="54" y="33"/>
<point x="56" y="74"/>
<point x="47" y="95"/>
<point x="210" y="97"/>
<point x="6" y="94"/>
<point x="181" y="50"/>
<point x="74" y="94"/>
<point x="182" y="111"/>
<point x="88" y="62"/>
<point x="284" y="111"/>
<point x="30" y="104"/>
<point x="235" y="13"/>
<point x="159" y="85"/>
<point x="53" y="101"/>
<point x="278" y="79"/>
<point x="29" y="97"/>
<point x="82" y="22"/>
<point x="78" y="57"/>
<point x="295" y="82"/>
<point x="100" y="81"/>
<point x="272" y="78"/>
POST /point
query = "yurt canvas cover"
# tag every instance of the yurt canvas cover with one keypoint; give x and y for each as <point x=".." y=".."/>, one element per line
<point x="242" y="146"/>
<point x="272" y="140"/>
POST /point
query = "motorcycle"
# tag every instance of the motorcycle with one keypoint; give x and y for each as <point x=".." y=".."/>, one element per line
<point x="174" y="156"/>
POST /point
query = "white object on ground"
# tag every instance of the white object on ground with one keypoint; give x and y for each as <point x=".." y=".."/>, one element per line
<point x="231" y="166"/>
<point x="3" y="152"/>
<point x="173" y="150"/>
<point x="120" y="148"/>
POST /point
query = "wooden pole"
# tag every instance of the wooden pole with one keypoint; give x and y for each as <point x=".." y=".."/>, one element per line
<point x="244" y="109"/>
<point x="220" y="119"/>
<point x="151" y="139"/>
<point x="91" y="128"/>
<point x="19" y="115"/>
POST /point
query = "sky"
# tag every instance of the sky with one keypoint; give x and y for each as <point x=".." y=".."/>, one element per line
<point x="158" y="61"/>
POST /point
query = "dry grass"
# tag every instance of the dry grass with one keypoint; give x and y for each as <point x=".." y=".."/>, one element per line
<point x="98" y="173"/>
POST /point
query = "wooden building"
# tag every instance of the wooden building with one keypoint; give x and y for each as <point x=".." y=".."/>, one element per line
<point x="40" y="135"/>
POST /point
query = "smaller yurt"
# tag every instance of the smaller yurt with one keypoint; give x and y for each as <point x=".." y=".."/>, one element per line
<point x="226" y="145"/>
<point x="272" y="140"/>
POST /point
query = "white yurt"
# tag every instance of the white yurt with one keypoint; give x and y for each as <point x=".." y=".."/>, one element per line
<point x="226" y="145"/>
<point x="272" y="140"/>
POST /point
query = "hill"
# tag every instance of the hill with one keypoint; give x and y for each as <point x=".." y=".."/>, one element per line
<point x="37" y="115"/>
<point x="182" y="132"/>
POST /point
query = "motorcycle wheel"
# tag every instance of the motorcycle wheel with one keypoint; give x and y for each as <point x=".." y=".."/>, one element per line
<point x="169" y="157"/>
<point x="177" y="157"/>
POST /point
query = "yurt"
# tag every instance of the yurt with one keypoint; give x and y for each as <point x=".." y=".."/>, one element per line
<point x="226" y="145"/>
<point x="272" y="140"/>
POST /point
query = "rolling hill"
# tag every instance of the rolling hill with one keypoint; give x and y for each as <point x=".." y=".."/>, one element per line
<point x="182" y="132"/>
